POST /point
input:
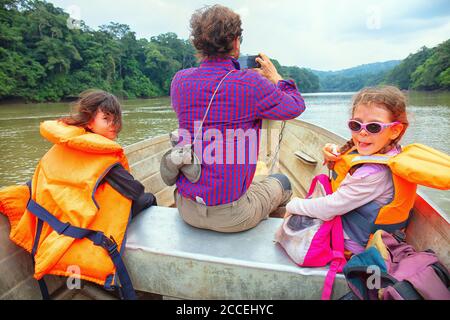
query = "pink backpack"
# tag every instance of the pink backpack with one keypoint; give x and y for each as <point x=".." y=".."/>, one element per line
<point x="312" y="242"/>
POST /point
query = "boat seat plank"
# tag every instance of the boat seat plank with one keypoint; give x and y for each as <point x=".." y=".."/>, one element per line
<point x="165" y="255"/>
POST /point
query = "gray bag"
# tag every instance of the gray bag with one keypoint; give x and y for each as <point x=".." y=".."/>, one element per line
<point x="180" y="159"/>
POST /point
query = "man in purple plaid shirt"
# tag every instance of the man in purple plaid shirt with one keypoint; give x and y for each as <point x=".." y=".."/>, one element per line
<point x="225" y="199"/>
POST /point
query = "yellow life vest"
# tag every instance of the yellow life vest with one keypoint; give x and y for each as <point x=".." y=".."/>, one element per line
<point x="66" y="186"/>
<point x="416" y="164"/>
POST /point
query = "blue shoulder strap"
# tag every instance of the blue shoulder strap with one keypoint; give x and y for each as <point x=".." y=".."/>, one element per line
<point x="97" y="237"/>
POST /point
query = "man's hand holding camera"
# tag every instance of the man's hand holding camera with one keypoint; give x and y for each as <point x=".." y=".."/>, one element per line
<point x="267" y="69"/>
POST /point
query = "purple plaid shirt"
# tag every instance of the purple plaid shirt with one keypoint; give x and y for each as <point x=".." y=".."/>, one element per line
<point x="242" y="101"/>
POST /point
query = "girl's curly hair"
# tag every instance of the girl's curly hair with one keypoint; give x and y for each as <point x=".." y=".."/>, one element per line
<point x="213" y="30"/>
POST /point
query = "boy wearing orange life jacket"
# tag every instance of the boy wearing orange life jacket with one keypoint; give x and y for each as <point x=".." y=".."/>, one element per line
<point x="77" y="207"/>
<point x="374" y="186"/>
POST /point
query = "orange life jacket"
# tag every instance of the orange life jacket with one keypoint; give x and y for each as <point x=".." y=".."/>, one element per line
<point x="66" y="186"/>
<point x="360" y="223"/>
<point x="415" y="164"/>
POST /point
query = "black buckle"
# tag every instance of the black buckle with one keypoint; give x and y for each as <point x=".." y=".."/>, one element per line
<point x="109" y="244"/>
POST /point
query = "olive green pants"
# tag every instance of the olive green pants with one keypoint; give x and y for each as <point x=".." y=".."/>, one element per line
<point x="255" y="205"/>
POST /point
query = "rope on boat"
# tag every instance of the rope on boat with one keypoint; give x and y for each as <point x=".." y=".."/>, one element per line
<point x="277" y="150"/>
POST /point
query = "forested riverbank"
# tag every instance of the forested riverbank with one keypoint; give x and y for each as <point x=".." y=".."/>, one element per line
<point x="45" y="55"/>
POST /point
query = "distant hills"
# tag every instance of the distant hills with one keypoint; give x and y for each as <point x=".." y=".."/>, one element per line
<point x="427" y="69"/>
<point x="353" y="79"/>
<point x="361" y="69"/>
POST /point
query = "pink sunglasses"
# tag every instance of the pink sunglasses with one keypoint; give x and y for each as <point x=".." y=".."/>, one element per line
<point x="370" y="127"/>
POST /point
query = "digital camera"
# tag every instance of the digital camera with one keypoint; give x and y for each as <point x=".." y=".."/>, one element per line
<point x="248" y="62"/>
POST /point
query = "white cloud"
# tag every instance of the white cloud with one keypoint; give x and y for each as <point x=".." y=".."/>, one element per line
<point x="320" y="34"/>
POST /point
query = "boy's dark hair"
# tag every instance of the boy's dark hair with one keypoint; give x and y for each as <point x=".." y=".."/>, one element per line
<point x="213" y="29"/>
<point x="89" y="103"/>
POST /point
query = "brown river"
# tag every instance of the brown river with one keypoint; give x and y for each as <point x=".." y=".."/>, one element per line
<point x="21" y="145"/>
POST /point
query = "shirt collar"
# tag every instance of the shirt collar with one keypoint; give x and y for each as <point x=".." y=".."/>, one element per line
<point x="218" y="62"/>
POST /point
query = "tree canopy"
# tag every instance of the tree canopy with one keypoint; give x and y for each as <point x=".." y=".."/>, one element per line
<point x="305" y="79"/>
<point x="427" y="69"/>
<point x="44" y="58"/>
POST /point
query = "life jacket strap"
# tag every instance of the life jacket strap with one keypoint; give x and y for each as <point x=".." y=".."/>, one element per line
<point x="42" y="285"/>
<point x="407" y="291"/>
<point x="366" y="227"/>
<point x="393" y="228"/>
<point x="97" y="237"/>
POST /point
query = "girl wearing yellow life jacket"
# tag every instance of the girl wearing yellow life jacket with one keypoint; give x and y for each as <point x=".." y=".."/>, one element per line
<point x="76" y="209"/>
<point x="366" y="191"/>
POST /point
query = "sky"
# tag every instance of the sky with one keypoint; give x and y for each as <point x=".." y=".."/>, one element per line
<point x="316" y="34"/>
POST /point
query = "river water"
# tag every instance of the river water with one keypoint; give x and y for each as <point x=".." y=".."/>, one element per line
<point x="21" y="145"/>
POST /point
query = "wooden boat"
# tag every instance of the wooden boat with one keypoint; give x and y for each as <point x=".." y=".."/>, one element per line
<point x="168" y="258"/>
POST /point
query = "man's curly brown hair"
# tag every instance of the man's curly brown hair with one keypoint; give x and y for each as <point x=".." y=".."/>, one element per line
<point x="213" y="29"/>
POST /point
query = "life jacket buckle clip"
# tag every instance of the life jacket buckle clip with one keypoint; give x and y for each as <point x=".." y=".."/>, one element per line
<point x="109" y="244"/>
